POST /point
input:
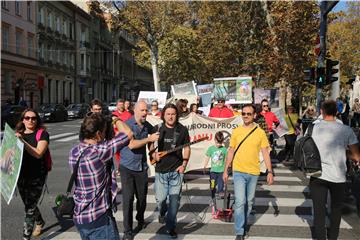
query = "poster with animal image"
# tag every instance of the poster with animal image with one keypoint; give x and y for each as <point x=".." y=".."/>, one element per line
<point x="235" y="90"/>
<point x="10" y="162"/>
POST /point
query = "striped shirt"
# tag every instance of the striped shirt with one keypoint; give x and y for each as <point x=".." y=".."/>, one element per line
<point x="91" y="185"/>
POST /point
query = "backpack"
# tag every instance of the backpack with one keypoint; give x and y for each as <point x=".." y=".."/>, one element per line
<point x="47" y="155"/>
<point x="306" y="154"/>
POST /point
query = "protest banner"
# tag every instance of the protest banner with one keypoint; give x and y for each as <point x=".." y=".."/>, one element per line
<point x="200" y="126"/>
<point x="188" y="88"/>
<point x="148" y="97"/>
<point x="272" y="95"/>
<point x="235" y="90"/>
<point x="282" y="129"/>
<point x="10" y="163"/>
<point x="205" y="92"/>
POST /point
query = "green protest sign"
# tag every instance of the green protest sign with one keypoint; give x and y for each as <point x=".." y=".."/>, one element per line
<point x="10" y="163"/>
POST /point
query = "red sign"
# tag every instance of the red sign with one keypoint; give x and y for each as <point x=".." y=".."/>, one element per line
<point x="40" y="82"/>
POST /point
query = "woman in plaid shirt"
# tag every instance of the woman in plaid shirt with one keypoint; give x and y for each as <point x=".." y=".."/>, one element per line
<point x="93" y="214"/>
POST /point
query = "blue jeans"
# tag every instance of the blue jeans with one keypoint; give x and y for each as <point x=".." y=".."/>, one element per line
<point x="105" y="232"/>
<point x="216" y="183"/>
<point x="168" y="185"/>
<point x="244" y="190"/>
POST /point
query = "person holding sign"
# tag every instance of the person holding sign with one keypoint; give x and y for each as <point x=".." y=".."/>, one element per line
<point x="169" y="170"/>
<point x="33" y="171"/>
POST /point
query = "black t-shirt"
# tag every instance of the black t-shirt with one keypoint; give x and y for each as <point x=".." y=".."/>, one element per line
<point x="166" y="142"/>
<point x="32" y="167"/>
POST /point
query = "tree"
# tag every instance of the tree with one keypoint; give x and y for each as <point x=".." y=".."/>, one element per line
<point x="150" y="22"/>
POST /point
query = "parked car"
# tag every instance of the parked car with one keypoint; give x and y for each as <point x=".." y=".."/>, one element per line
<point x="112" y="106"/>
<point x="53" y="112"/>
<point x="77" y="110"/>
<point x="10" y="114"/>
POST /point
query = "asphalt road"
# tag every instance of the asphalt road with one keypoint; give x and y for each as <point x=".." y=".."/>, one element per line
<point x="283" y="211"/>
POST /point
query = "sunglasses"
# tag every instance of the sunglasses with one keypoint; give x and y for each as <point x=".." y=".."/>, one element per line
<point x="27" y="118"/>
<point x="221" y="101"/>
<point x="311" y="110"/>
<point x="246" y="114"/>
<point x="265" y="105"/>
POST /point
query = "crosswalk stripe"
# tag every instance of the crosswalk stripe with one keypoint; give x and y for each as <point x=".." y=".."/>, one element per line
<point x="60" y="135"/>
<point x="68" y="138"/>
<point x="189" y="176"/>
<point x="272" y="188"/>
<point x="147" y="236"/>
<point x="258" y="219"/>
<point x="259" y="201"/>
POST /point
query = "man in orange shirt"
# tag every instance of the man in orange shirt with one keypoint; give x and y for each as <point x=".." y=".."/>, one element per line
<point x="221" y="111"/>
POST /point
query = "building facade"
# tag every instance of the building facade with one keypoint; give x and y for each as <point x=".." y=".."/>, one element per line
<point x="19" y="72"/>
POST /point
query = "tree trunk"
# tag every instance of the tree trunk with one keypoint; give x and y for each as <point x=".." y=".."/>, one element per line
<point x="270" y="23"/>
<point x="155" y="67"/>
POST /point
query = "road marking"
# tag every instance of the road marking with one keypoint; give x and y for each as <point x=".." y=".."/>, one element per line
<point x="68" y="138"/>
<point x="147" y="236"/>
<point x="257" y="220"/>
<point x="272" y="188"/>
<point x="261" y="178"/>
<point x="60" y="135"/>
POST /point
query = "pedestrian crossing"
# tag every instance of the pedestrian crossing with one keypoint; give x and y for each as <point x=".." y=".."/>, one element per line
<point x="282" y="211"/>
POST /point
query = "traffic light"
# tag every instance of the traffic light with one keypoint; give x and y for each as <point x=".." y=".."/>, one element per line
<point x="332" y="71"/>
<point x="310" y="75"/>
<point x="320" y="77"/>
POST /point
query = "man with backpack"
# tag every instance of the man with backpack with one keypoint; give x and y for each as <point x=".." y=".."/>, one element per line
<point x="332" y="139"/>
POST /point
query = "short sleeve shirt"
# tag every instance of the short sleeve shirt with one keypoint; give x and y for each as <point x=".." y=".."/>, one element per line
<point x="247" y="159"/>
<point x="332" y="139"/>
<point x="135" y="159"/>
<point x="217" y="157"/>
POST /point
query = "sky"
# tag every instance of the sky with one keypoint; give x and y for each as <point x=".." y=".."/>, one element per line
<point x="340" y="6"/>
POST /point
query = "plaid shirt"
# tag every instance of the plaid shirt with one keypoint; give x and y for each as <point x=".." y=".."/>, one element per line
<point x="92" y="177"/>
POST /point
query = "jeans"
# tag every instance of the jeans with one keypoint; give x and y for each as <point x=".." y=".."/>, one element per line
<point x="319" y="190"/>
<point x="105" y="232"/>
<point x="290" y="144"/>
<point x="168" y="184"/>
<point x="216" y="183"/>
<point x="244" y="190"/>
<point x="133" y="183"/>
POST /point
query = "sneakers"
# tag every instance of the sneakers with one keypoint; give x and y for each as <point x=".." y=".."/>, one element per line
<point x="172" y="233"/>
<point x="239" y="237"/>
<point x="37" y="229"/>
<point x="161" y="219"/>
<point x="128" y="236"/>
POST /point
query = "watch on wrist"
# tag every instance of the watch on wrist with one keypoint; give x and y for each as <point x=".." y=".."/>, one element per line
<point x="270" y="172"/>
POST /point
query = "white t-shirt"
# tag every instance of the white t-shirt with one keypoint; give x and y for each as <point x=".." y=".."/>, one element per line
<point x="332" y="139"/>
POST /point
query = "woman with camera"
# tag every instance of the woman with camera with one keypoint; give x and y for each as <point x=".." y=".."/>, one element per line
<point x="95" y="191"/>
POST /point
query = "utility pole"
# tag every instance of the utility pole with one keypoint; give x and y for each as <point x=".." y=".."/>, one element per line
<point x="325" y="8"/>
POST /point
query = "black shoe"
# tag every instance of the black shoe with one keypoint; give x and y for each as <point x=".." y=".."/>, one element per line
<point x="172" y="233"/>
<point x="161" y="219"/>
<point x="128" y="236"/>
<point x="239" y="237"/>
<point x="141" y="225"/>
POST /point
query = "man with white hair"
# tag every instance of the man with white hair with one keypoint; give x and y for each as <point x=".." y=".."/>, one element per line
<point x="133" y="169"/>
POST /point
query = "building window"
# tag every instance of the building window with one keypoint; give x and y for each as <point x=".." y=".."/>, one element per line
<point x="17" y="8"/>
<point x="18" y="36"/>
<point x="5" y="38"/>
<point x="30" y="45"/>
<point x="71" y="30"/>
<point x="88" y="63"/>
<point x="41" y="15"/>
<point x="7" y="81"/>
<point x="72" y="60"/>
<point x="82" y="62"/>
<point x="41" y="51"/>
<point x="64" y="27"/>
<point x="50" y="53"/>
<point x="4" y="5"/>
<point x="58" y="56"/>
<point x="65" y="58"/>
<point x="58" y="24"/>
<point x="29" y="13"/>
<point x="49" y="20"/>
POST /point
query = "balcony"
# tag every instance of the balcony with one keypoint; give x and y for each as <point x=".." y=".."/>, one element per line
<point x="84" y="44"/>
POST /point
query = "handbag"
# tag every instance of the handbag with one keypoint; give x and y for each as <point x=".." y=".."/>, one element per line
<point x="296" y="129"/>
<point x="65" y="202"/>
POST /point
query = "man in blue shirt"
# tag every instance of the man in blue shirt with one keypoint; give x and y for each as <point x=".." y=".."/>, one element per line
<point x="133" y="169"/>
